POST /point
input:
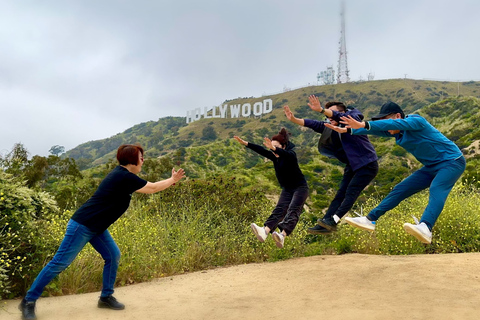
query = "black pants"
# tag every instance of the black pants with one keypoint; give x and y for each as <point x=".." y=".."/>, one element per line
<point x="352" y="184"/>
<point x="289" y="207"/>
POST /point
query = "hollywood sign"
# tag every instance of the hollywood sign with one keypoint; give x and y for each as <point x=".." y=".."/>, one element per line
<point x="236" y="110"/>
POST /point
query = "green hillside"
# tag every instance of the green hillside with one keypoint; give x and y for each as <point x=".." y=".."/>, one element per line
<point x="170" y="133"/>
<point x="205" y="147"/>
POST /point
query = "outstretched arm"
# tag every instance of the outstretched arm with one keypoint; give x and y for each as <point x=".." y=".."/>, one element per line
<point x="258" y="149"/>
<point x="291" y="117"/>
<point x="381" y="127"/>
<point x="278" y="151"/>
<point x="413" y="123"/>
<point x="153" y="187"/>
<point x="361" y="127"/>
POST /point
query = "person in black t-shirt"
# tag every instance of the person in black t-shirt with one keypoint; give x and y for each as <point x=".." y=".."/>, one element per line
<point x="294" y="187"/>
<point x="90" y="222"/>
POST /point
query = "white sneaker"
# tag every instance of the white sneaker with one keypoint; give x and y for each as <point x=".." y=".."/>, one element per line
<point x="419" y="231"/>
<point x="361" y="222"/>
<point x="259" y="232"/>
<point x="279" y="239"/>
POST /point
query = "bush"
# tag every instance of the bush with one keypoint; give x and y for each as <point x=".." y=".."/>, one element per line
<point x="23" y="240"/>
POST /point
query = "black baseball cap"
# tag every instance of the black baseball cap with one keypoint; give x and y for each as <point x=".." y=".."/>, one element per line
<point x="388" y="108"/>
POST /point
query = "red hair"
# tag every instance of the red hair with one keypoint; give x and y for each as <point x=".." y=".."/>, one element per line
<point x="128" y="154"/>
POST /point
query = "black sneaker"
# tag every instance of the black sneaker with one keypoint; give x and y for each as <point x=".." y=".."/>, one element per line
<point x="28" y="310"/>
<point x="110" y="302"/>
<point x="327" y="223"/>
<point x="319" y="230"/>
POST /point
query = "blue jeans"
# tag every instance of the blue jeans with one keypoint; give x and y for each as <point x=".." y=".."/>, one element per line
<point x="287" y="212"/>
<point x="76" y="237"/>
<point x="440" y="178"/>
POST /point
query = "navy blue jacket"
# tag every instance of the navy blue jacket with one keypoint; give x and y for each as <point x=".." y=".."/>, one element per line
<point x="359" y="151"/>
<point x="286" y="166"/>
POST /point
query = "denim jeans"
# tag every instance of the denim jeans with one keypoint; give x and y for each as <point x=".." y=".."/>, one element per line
<point x="76" y="237"/>
<point x="440" y="178"/>
<point x="352" y="184"/>
<point x="289" y="207"/>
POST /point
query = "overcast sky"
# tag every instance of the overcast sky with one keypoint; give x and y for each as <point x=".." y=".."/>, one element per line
<point x="76" y="71"/>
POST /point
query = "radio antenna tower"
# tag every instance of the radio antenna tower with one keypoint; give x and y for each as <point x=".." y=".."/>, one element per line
<point x="342" y="75"/>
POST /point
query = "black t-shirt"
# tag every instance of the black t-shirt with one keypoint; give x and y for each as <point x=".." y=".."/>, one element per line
<point x="110" y="201"/>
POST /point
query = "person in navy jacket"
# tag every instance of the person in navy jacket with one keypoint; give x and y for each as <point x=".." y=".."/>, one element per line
<point x="356" y="152"/>
<point x="294" y="193"/>
<point x="443" y="164"/>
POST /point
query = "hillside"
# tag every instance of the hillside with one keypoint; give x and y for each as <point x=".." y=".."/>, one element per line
<point x="170" y="133"/>
<point x="205" y="147"/>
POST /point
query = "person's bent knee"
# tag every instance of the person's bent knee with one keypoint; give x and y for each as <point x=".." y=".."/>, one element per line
<point x="117" y="258"/>
<point x="57" y="265"/>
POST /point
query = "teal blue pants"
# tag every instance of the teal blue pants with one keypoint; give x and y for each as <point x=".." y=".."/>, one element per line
<point x="440" y="178"/>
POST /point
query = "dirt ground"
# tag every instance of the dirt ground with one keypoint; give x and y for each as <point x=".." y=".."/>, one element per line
<point x="343" y="287"/>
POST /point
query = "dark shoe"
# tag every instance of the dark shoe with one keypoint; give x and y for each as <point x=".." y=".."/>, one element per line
<point x="28" y="310"/>
<point x="319" y="230"/>
<point x="328" y="223"/>
<point x="111" y="303"/>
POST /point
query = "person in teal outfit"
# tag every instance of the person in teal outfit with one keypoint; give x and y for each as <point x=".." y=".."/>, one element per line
<point x="443" y="164"/>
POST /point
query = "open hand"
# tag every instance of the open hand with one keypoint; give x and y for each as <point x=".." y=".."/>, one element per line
<point x="314" y="103"/>
<point x="240" y="140"/>
<point x="336" y="128"/>
<point x="288" y="113"/>
<point x="178" y="175"/>
<point x="352" y="123"/>
<point x="268" y="143"/>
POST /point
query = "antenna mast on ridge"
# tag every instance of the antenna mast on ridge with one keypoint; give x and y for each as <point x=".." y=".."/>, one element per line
<point x="342" y="75"/>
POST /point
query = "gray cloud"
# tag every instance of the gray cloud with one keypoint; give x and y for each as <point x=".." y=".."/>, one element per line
<point x="74" y="71"/>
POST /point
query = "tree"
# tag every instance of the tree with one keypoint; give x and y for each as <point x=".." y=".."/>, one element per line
<point x="57" y="150"/>
<point x="179" y="156"/>
<point x="208" y="133"/>
<point x="36" y="170"/>
<point x="16" y="160"/>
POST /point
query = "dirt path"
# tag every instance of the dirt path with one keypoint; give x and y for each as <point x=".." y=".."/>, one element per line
<point x="322" y="287"/>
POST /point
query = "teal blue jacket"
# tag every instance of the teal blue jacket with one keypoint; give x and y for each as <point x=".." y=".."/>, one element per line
<point x="417" y="136"/>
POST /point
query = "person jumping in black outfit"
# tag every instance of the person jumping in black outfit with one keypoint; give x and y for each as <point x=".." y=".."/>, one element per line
<point x="294" y="187"/>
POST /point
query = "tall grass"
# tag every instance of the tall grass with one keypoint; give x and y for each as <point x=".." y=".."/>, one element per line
<point x="201" y="224"/>
<point x="193" y="226"/>
<point x="456" y="230"/>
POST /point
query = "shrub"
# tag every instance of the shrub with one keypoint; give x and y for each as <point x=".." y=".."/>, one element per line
<point x="22" y="216"/>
